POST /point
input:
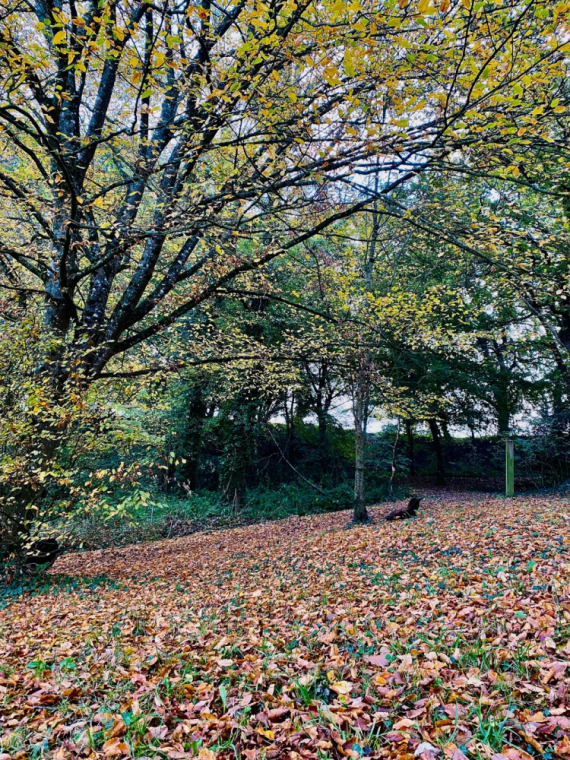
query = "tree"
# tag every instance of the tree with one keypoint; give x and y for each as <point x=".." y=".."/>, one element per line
<point x="146" y="144"/>
<point x="154" y="153"/>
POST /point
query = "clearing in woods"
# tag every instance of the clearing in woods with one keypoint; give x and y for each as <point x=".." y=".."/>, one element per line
<point x="445" y="636"/>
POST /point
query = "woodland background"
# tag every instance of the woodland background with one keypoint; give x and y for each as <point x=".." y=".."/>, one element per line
<point x="218" y="222"/>
<point x="221" y="222"/>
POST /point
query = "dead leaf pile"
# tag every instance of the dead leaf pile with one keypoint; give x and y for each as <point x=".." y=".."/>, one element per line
<point x="447" y="636"/>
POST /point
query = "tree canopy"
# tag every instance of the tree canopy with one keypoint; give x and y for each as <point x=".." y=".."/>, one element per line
<point x="313" y="200"/>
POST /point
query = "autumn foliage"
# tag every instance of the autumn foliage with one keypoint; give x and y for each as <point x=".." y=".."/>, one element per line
<point x="218" y="220"/>
<point x="444" y="636"/>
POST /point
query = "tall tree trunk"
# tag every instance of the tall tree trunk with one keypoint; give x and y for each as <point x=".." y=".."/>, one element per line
<point x="503" y="415"/>
<point x="440" y="477"/>
<point x="43" y="437"/>
<point x="360" y="413"/>
<point x="192" y="441"/>
<point x="445" y="429"/>
<point x="411" y="447"/>
<point x="322" y="419"/>
<point x="501" y="392"/>
<point x="318" y="377"/>
<point x="241" y="432"/>
<point x="500" y="384"/>
<point x="393" y="463"/>
<point x="361" y="389"/>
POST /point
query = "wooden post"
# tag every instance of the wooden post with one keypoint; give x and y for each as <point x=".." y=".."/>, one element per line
<point x="509" y="468"/>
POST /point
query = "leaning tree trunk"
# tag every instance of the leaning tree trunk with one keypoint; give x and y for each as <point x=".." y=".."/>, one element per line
<point x="440" y="476"/>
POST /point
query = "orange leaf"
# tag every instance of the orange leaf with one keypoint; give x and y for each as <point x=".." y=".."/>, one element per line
<point x="115" y="747"/>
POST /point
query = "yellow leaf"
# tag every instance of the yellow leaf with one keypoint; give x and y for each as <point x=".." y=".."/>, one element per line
<point x="206" y="754"/>
<point x="423" y="6"/>
<point x="59" y="37"/>
<point x="342" y="687"/>
<point x="348" y="63"/>
<point x="330" y="75"/>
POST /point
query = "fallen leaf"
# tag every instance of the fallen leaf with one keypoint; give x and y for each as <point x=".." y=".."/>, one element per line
<point x="425" y="749"/>
<point x="206" y="754"/>
<point x="342" y="687"/>
<point x="116" y="747"/>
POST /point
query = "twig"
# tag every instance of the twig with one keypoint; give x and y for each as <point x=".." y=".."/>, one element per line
<point x="295" y="470"/>
<point x="394" y="460"/>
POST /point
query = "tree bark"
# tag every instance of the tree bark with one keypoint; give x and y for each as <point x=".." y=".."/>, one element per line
<point x="393" y="463"/>
<point x="192" y="441"/>
<point x="241" y="432"/>
<point x="360" y="413"/>
<point x="500" y="386"/>
<point x="445" y="429"/>
<point x="501" y="393"/>
<point x="321" y="397"/>
<point x="361" y="388"/>
<point x="503" y="417"/>
<point x="411" y="447"/>
<point x="434" y="429"/>
<point x="322" y="420"/>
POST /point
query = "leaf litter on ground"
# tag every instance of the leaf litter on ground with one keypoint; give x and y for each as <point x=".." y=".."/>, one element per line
<point x="447" y="636"/>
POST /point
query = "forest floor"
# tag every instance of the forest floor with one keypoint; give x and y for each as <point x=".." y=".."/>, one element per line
<point x="447" y="636"/>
